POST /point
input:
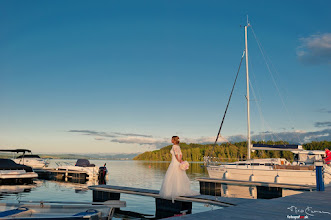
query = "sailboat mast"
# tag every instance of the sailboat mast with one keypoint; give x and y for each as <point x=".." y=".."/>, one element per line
<point x="247" y="97"/>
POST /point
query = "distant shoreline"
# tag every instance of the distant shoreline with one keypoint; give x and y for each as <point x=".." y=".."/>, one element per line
<point x="77" y="156"/>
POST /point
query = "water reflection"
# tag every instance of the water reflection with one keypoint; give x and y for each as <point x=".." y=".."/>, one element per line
<point x="7" y="189"/>
<point x="247" y="192"/>
<point x="78" y="185"/>
<point x="17" y="191"/>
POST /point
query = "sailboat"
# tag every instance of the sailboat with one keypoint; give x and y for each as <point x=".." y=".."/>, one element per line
<point x="272" y="170"/>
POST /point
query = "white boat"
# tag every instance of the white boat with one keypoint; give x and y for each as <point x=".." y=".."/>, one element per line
<point x="274" y="170"/>
<point x="59" y="210"/>
<point x="84" y="166"/>
<point x="15" y="174"/>
<point x="32" y="160"/>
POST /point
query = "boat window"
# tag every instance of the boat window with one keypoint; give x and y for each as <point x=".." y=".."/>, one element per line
<point x="268" y="164"/>
<point x="28" y="156"/>
<point x="255" y="164"/>
<point x="296" y="157"/>
<point x="242" y="164"/>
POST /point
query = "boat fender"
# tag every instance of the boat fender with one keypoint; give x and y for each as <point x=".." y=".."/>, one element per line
<point x="277" y="178"/>
<point x="251" y="178"/>
<point x="226" y="175"/>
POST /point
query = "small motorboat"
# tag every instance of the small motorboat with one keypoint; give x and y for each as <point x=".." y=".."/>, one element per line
<point x="85" y="167"/>
<point x="59" y="210"/>
<point x="12" y="173"/>
<point x="32" y="160"/>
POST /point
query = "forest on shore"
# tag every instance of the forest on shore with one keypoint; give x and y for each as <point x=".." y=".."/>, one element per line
<point x="227" y="152"/>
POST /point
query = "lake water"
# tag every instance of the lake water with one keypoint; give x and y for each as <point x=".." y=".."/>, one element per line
<point x="139" y="174"/>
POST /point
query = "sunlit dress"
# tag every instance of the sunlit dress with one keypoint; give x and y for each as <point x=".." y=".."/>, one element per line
<point x="175" y="182"/>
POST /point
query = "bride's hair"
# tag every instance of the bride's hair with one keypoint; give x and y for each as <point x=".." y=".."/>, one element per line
<point x="176" y="139"/>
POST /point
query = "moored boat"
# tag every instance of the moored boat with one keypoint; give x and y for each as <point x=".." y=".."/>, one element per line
<point x="15" y="174"/>
<point x="32" y="160"/>
<point x="84" y="166"/>
<point x="59" y="210"/>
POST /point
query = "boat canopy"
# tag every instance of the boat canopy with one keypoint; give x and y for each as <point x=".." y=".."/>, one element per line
<point x="286" y="147"/>
<point x="84" y="163"/>
<point x="7" y="164"/>
<point x="29" y="156"/>
<point x="17" y="150"/>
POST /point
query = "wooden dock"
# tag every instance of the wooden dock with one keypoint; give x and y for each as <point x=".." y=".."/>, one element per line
<point x="308" y="205"/>
<point x="65" y="174"/>
<point x="220" y="201"/>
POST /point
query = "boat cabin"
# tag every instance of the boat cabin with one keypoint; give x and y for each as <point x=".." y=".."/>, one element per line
<point x="307" y="157"/>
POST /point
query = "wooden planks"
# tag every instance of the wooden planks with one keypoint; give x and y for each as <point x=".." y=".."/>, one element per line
<point x="307" y="205"/>
<point x="220" y="201"/>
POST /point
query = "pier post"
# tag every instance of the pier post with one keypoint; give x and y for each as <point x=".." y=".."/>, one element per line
<point x="101" y="196"/>
<point x="264" y="192"/>
<point x="165" y="208"/>
<point x="210" y="188"/>
<point x="319" y="176"/>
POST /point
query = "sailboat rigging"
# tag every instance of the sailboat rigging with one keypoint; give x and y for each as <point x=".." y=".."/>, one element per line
<point x="278" y="170"/>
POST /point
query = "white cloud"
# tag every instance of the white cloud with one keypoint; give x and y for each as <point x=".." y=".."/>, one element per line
<point x="315" y="49"/>
<point x="138" y="140"/>
<point x="297" y="136"/>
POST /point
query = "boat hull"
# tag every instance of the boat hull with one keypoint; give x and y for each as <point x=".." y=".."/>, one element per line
<point x="19" y="177"/>
<point x="288" y="176"/>
<point x="34" y="163"/>
<point x="91" y="172"/>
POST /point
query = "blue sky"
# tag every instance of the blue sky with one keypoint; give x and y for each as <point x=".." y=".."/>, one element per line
<point x="124" y="76"/>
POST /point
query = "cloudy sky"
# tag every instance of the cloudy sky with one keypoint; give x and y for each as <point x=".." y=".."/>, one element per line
<point x="124" y="76"/>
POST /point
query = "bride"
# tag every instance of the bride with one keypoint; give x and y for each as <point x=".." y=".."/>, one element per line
<point x="175" y="183"/>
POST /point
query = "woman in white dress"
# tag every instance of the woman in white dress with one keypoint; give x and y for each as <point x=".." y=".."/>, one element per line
<point x="175" y="183"/>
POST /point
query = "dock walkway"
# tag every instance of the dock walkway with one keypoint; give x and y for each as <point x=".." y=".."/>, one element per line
<point x="220" y="201"/>
<point x="307" y="205"/>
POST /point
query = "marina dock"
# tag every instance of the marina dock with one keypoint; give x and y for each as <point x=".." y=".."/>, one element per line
<point x="220" y="201"/>
<point x="164" y="208"/>
<point x="65" y="174"/>
<point x="307" y="205"/>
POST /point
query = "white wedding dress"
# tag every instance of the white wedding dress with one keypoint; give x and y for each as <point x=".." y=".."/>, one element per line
<point x="175" y="183"/>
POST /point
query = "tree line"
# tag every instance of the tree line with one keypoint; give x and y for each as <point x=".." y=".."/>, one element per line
<point x="227" y="152"/>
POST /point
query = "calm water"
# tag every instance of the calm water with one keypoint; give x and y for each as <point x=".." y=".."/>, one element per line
<point x="139" y="174"/>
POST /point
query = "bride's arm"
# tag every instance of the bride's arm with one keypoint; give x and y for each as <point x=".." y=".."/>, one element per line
<point x="178" y="153"/>
<point x="179" y="158"/>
